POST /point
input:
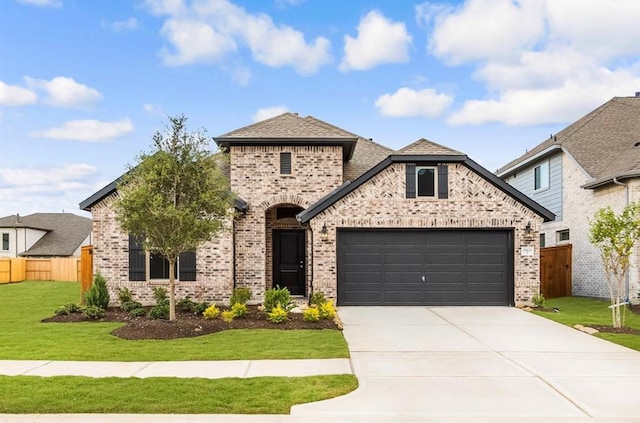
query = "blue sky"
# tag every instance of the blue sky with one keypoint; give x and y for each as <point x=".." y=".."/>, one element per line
<point x="84" y="84"/>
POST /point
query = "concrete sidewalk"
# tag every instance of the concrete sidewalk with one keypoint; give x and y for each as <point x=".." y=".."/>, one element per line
<point x="181" y="369"/>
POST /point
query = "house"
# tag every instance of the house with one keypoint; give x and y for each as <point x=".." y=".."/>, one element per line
<point x="592" y="163"/>
<point x="322" y="209"/>
<point x="44" y="235"/>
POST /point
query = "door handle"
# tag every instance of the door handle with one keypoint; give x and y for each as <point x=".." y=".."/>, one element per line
<point x="301" y="264"/>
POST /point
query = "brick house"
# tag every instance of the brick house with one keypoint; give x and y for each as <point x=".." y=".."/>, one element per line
<point x="591" y="164"/>
<point x="322" y="209"/>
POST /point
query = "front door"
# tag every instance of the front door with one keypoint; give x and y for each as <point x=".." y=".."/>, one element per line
<point x="289" y="260"/>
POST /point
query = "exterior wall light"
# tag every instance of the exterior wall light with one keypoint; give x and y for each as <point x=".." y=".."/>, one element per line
<point x="324" y="233"/>
<point x="528" y="232"/>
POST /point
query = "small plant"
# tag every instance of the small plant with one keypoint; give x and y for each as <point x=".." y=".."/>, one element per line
<point x="312" y="314"/>
<point x="240" y="296"/>
<point x="159" y="312"/>
<point x="125" y="295"/>
<point x="277" y="314"/>
<point x="130" y="305"/>
<point x="317" y="299"/>
<point x="93" y="312"/>
<point x="98" y="294"/>
<point x="186" y="304"/>
<point x="160" y="295"/>
<point x="227" y="316"/>
<point x="211" y="312"/>
<point x="327" y="310"/>
<point x="277" y="296"/>
<point x="137" y="312"/>
<point x="68" y="309"/>
<point x="239" y="310"/>
<point x="539" y="300"/>
<point x="199" y="308"/>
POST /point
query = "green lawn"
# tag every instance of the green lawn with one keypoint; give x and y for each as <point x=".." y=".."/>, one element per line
<point x="264" y="395"/>
<point x="588" y="312"/>
<point x="24" y="337"/>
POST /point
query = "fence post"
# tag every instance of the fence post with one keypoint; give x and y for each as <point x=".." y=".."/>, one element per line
<point x="86" y="273"/>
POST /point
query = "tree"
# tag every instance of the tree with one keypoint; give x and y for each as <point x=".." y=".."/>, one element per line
<point x="615" y="236"/>
<point x="176" y="197"/>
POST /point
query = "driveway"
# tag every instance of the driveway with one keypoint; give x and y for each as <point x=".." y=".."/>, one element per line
<point x="479" y="364"/>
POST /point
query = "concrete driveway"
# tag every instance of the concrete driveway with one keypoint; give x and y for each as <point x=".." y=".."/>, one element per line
<point x="480" y="364"/>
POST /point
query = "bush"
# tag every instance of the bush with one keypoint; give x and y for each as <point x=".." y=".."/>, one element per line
<point x="97" y="295"/>
<point x="327" y="310"/>
<point x="159" y="312"/>
<point x="186" y="304"/>
<point x="93" y="312"/>
<point x="312" y="314"/>
<point x="211" y="312"/>
<point x="277" y="297"/>
<point x="539" y="300"/>
<point x="199" y="308"/>
<point x="317" y="298"/>
<point x="68" y="309"/>
<point x="124" y="295"/>
<point x="160" y="295"/>
<point x="227" y="316"/>
<point x="240" y="296"/>
<point x="239" y="310"/>
<point x="130" y="305"/>
<point x="278" y="314"/>
<point x="138" y="312"/>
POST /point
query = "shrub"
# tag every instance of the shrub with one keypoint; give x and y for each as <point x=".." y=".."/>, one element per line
<point x="97" y="295"/>
<point x="199" y="308"/>
<point x="211" y="312"/>
<point x="130" y="305"/>
<point x="124" y="295"/>
<point x="317" y="298"/>
<point x="240" y="296"/>
<point x="239" y="310"/>
<point x="160" y="295"/>
<point x="93" y="312"/>
<point x="327" y="310"/>
<point x="227" y="316"/>
<point x="277" y="296"/>
<point x="159" y="312"/>
<point x="277" y="314"/>
<point x="539" y="300"/>
<point x="68" y="309"/>
<point x="137" y="312"/>
<point x="186" y="304"/>
<point x="312" y="314"/>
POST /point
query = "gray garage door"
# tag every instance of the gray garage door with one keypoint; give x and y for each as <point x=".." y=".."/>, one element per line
<point x="429" y="267"/>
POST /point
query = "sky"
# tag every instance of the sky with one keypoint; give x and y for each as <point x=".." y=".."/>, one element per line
<point x="84" y="84"/>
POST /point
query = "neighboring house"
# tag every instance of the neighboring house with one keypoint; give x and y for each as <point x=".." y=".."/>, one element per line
<point x="592" y="163"/>
<point x="322" y="209"/>
<point x="44" y="235"/>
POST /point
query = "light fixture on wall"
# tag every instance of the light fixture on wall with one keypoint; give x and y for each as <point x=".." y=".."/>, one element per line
<point x="324" y="233"/>
<point x="528" y="232"/>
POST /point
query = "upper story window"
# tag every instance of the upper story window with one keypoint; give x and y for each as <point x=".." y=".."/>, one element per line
<point x="541" y="176"/>
<point x="562" y="235"/>
<point x="285" y="163"/>
<point x="426" y="181"/>
<point x="5" y="242"/>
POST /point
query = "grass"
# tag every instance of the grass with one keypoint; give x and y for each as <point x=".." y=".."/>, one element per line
<point x="592" y="312"/>
<point x="24" y="337"/>
<point x="264" y="395"/>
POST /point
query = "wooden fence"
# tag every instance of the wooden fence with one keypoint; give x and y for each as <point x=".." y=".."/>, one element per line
<point x="53" y="269"/>
<point x="86" y="269"/>
<point x="555" y="271"/>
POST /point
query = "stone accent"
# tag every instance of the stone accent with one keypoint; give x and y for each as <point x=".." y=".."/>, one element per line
<point x="473" y="203"/>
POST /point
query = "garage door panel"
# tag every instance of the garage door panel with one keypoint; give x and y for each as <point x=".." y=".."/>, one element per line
<point x="362" y="258"/>
<point x="400" y="258"/>
<point x="404" y="297"/>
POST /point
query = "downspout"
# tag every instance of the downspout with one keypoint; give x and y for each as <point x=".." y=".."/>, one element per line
<point x="311" y="267"/>
<point x="626" y="203"/>
<point x="233" y="241"/>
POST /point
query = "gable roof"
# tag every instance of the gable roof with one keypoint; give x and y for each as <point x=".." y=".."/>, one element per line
<point x="424" y="146"/>
<point x="603" y="142"/>
<point x="65" y="232"/>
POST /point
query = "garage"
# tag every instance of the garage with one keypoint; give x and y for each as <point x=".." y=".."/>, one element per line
<point x="425" y="267"/>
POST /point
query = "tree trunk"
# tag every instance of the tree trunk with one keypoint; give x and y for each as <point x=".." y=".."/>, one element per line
<point x="172" y="290"/>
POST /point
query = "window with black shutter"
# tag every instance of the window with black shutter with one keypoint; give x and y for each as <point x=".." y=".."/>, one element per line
<point x="185" y="269"/>
<point x="411" y="180"/>
<point x="137" y="260"/>
<point x="285" y="163"/>
<point x="443" y="181"/>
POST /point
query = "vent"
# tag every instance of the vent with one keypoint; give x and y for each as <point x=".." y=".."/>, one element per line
<point x="285" y="163"/>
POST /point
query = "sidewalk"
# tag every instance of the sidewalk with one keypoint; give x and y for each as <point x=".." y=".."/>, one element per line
<point x="181" y="369"/>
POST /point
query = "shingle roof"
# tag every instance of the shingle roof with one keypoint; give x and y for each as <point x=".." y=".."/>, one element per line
<point x="289" y="125"/>
<point x="603" y="142"/>
<point x="424" y="146"/>
<point x="65" y="232"/>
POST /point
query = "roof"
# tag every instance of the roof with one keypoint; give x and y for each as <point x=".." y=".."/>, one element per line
<point x="424" y="146"/>
<point x="65" y="232"/>
<point x="605" y="142"/>
<point x="290" y="129"/>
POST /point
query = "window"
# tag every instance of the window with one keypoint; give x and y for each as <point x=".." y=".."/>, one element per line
<point x="140" y="261"/>
<point x="285" y="163"/>
<point x="5" y="242"/>
<point x="562" y="235"/>
<point x="159" y="267"/>
<point x="426" y="181"/>
<point x="541" y="176"/>
<point x="542" y="241"/>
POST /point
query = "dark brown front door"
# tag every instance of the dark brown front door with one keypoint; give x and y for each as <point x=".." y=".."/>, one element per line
<point x="289" y="260"/>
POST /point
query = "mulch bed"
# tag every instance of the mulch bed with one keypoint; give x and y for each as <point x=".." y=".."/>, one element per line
<point x="188" y="324"/>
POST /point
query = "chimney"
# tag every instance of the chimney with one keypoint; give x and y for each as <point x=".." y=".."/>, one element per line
<point x="17" y="217"/>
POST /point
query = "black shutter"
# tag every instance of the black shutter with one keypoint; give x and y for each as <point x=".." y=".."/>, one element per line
<point x="411" y="180"/>
<point x="137" y="260"/>
<point x="285" y="163"/>
<point x="187" y="266"/>
<point x="443" y="181"/>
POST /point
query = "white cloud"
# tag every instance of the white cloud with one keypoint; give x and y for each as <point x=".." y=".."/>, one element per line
<point x="379" y="41"/>
<point x="166" y="7"/>
<point x="65" y="92"/>
<point x="13" y="95"/>
<point x="49" y="3"/>
<point x="269" y="112"/>
<point x="86" y="130"/>
<point x="130" y="24"/>
<point x="241" y="75"/>
<point x="153" y="109"/>
<point x="407" y="102"/>
<point x="194" y="41"/>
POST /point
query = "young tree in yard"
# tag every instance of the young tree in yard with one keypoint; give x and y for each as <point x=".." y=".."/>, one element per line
<point x="176" y="197"/>
<point x="615" y="235"/>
